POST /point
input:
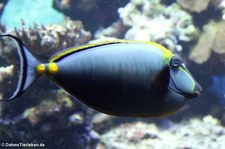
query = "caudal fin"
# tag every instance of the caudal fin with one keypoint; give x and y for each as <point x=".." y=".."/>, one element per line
<point x="28" y="64"/>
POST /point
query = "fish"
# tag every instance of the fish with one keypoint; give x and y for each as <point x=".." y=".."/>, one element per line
<point x="121" y="78"/>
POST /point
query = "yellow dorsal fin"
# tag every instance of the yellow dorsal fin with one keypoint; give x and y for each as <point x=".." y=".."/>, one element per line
<point x="69" y="51"/>
<point x="166" y="53"/>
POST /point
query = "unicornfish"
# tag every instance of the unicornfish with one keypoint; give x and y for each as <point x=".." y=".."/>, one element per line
<point x="121" y="78"/>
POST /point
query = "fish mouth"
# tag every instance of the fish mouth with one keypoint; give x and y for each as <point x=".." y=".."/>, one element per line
<point x="196" y="93"/>
<point x="193" y="94"/>
<point x="197" y="90"/>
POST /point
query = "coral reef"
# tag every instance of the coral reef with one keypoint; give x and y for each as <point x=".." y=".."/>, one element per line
<point x="211" y="40"/>
<point x="221" y="5"/>
<point x="195" y="133"/>
<point x="152" y="21"/>
<point x="39" y="12"/>
<point x="193" y="5"/>
<point x="102" y="122"/>
<point x="47" y="108"/>
<point x="207" y="55"/>
<point x="49" y="39"/>
<point x="117" y="30"/>
<point x="6" y="73"/>
<point x="57" y="117"/>
<point x="201" y="5"/>
<point x="45" y="112"/>
<point x="85" y="5"/>
<point x="93" y="13"/>
<point x="52" y="115"/>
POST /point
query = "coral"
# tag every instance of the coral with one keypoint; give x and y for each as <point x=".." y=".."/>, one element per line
<point x="49" y="39"/>
<point x="218" y="45"/>
<point x="217" y="3"/>
<point x="52" y="115"/>
<point x="35" y="11"/>
<point x="62" y="4"/>
<point x="215" y="8"/>
<point x="48" y="108"/>
<point x="6" y="73"/>
<point x="211" y="40"/>
<point x="222" y="6"/>
<point x="202" y="50"/>
<point x="195" y="133"/>
<point x="102" y="121"/>
<point x="117" y="30"/>
<point x="151" y="21"/>
<point x="93" y="13"/>
<point x="85" y="5"/>
<point x="200" y="6"/>
<point x="194" y="5"/>
<point x="44" y="112"/>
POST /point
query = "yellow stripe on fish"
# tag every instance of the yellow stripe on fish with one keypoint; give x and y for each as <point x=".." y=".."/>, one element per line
<point x="166" y="53"/>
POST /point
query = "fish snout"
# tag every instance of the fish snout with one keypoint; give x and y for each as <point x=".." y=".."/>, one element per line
<point x="196" y="92"/>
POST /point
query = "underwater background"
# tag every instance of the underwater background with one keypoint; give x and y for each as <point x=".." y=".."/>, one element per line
<point x="48" y="117"/>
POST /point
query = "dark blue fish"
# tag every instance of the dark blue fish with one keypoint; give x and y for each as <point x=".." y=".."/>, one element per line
<point x="123" y="78"/>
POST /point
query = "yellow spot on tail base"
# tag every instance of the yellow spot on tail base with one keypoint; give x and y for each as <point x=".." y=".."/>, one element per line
<point x="41" y="68"/>
<point x="52" y="68"/>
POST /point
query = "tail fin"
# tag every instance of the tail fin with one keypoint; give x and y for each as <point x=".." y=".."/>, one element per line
<point x="28" y="64"/>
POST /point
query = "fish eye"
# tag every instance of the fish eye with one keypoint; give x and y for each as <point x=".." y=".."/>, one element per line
<point x="175" y="62"/>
